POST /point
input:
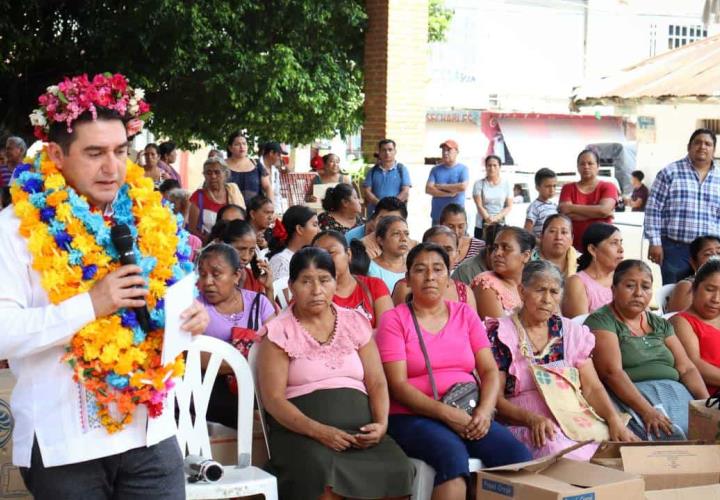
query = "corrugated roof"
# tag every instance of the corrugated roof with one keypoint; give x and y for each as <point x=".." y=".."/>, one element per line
<point x="688" y="73"/>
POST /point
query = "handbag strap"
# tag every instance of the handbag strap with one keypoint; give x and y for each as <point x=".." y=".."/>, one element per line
<point x="424" y="351"/>
<point x="366" y="292"/>
<point x="254" y="316"/>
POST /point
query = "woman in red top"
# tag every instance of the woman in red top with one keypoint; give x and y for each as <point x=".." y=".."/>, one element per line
<point x="698" y="328"/>
<point x="365" y="294"/>
<point x="588" y="200"/>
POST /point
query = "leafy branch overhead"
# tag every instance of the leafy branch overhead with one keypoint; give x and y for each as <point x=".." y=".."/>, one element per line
<point x="439" y="19"/>
<point x="284" y="69"/>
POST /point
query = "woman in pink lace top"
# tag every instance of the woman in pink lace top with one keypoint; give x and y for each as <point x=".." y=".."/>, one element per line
<point x="496" y="291"/>
<point x="589" y="289"/>
<point x="323" y="386"/>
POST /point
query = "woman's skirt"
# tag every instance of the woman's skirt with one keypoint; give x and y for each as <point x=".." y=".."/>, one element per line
<point x="668" y="396"/>
<point x="305" y="467"/>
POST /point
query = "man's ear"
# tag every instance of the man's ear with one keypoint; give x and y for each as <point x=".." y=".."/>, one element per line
<point x="56" y="154"/>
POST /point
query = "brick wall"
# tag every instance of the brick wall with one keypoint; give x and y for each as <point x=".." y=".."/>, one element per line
<point x="395" y="76"/>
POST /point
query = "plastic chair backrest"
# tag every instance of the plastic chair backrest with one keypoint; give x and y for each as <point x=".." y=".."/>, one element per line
<point x="194" y="390"/>
<point x="663" y="295"/>
<point x="280" y="288"/>
<point x="579" y="320"/>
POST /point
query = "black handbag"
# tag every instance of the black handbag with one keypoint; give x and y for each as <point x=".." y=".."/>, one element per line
<point x="463" y="395"/>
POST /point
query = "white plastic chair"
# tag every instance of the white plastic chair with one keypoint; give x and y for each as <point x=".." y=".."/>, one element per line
<point x="579" y="320"/>
<point x="425" y="478"/>
<point x="239" y="480"/>
<point x="662" y="296"/>
<point x="282" y="292"/>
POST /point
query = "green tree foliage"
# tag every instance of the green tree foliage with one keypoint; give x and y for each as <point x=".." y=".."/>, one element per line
<point x="438" y="20"/>
<point x="290" y="70"/>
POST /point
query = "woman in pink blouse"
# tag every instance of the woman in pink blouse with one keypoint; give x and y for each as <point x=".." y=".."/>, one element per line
<point x="441" y="435"/>
<point x="496" y="291"/>
<point x="322" y="384"/>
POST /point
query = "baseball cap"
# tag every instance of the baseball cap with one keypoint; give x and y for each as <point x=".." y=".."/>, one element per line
<point x="450" y="144"/>
<point x="275" y="147"/>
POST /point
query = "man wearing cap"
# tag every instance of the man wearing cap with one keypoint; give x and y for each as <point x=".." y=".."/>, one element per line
<point x="387" y="177"/>
<point x="447" y="181"/>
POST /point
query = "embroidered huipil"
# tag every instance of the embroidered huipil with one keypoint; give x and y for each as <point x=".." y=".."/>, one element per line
<point x="46" y="402"/>
<point x="680" y="207"/>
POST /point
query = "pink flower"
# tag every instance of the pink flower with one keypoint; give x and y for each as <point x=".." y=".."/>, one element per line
<point x="134" y="127"/>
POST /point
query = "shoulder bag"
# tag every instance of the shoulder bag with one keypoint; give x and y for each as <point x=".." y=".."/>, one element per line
<point x="462" y="395"/>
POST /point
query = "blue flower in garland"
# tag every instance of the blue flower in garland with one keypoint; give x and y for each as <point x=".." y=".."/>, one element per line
<point x="128" y="319"/>
<point x="33" y="186"/>
<point x="63" y="240"/>
<point x="138" y="335"/>
<point x="75" y="257"/>
<point x="47" y="214"/>
<point x="117" y="381"/>
<point x="55" y="226"/>
<point x="89" y="272"/>
<point x="25" y="167"/>
<point x="39" y="200"/>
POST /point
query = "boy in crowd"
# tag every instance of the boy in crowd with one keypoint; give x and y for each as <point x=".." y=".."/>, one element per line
<point x="542" y="207"/>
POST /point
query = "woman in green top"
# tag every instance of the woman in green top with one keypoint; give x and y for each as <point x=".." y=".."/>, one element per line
<point x="639" y="358"/>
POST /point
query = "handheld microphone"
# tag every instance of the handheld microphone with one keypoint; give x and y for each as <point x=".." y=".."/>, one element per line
<point x="123" y="241"/>
<point x="202" y="469"/>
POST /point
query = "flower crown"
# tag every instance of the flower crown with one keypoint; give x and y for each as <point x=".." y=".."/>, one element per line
<point x="66" y="101"/>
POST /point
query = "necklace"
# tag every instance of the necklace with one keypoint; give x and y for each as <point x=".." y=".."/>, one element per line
<point x="634" y="333"/>
<point x="71" y="248"/>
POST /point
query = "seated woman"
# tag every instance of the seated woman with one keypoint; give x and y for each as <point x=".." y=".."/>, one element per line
<point x="393" y="238"/>
<point x="454" y="217"/>
<point x="342" y="209"/>
<point x="298" y="227"/>
<point x="241" y="236"/>
<point x="364" y="294"/>
<point x="330" y="174"/>
<point x="698" y="327"/>
<point x="640" y="360"/>
<point x="261" y="215"/>
<point x="231" y="212"/>
<point x="538" y="336"/>
<point x="235" y="316"/>
<point x="496" y="291"/>
<point x="589" y="289"/>
<point x="457" y="290"/>
<point x="556" y="244"/>
<point x="702" y="249"/>
<point x="441" y="435"/>
<point x="322" y="384"/>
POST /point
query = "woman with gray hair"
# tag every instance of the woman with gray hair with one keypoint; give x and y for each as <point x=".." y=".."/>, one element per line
<point x="540" y="356"/>
<point x="15" y="149"/>
<point x="215" y="193"/>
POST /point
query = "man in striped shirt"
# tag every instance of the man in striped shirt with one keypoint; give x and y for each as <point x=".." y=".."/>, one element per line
<point x="684" y="203"/>
<point x="15" y="149"/>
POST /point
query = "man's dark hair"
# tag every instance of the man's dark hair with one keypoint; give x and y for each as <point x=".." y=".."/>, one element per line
<point x="59" y="134"/>
<point x="638" y="175"/>
<point x="166" y="148"/>
<point x="386" y="141"/>
<point x="390" y="204"/>
<point x="542" y="174"/>
<point x="702" y="131"/>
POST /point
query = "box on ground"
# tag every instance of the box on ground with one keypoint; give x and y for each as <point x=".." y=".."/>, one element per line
<point x="558" y="478"/>
<point x="707" y="492"/>
<point x="703" y="422"/>
<point x="223" y="443"/>
<point x="663" y="464"/>
<point x="11" y="483"/>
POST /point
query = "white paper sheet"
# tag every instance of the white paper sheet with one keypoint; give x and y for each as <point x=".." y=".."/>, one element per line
<point x="178" y="297"/>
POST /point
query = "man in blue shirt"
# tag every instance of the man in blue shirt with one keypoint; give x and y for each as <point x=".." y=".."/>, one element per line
<point x="447" y="181"/>
<point x="387" y="177"/>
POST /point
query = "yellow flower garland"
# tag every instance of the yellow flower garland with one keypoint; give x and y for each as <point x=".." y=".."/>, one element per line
<point x="104" y="350"/>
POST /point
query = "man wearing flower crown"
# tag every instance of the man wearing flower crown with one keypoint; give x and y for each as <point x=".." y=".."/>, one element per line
<point x="93" y="404"/>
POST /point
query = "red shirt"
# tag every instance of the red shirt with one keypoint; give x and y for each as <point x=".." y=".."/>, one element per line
<point x="708" y="340"/>
<point x="571" y="193"/>
<point x="252" y="283"/>
<point x="359" y="301"/>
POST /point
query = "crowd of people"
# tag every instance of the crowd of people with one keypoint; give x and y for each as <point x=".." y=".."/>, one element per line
<point x="363" y="366"/>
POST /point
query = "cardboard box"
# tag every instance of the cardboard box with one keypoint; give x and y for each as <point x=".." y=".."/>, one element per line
<point x="708" y="492"/>
<point x="703" y="422"/>
<point x="664" y="464"/>
<point x="223" y="443"/>
<point x="558" y="478"/>
<point x="11" y="483"/>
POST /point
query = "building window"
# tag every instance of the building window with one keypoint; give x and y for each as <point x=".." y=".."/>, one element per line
<point x="710" y="123"/>
<point x="682" y="35"/>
